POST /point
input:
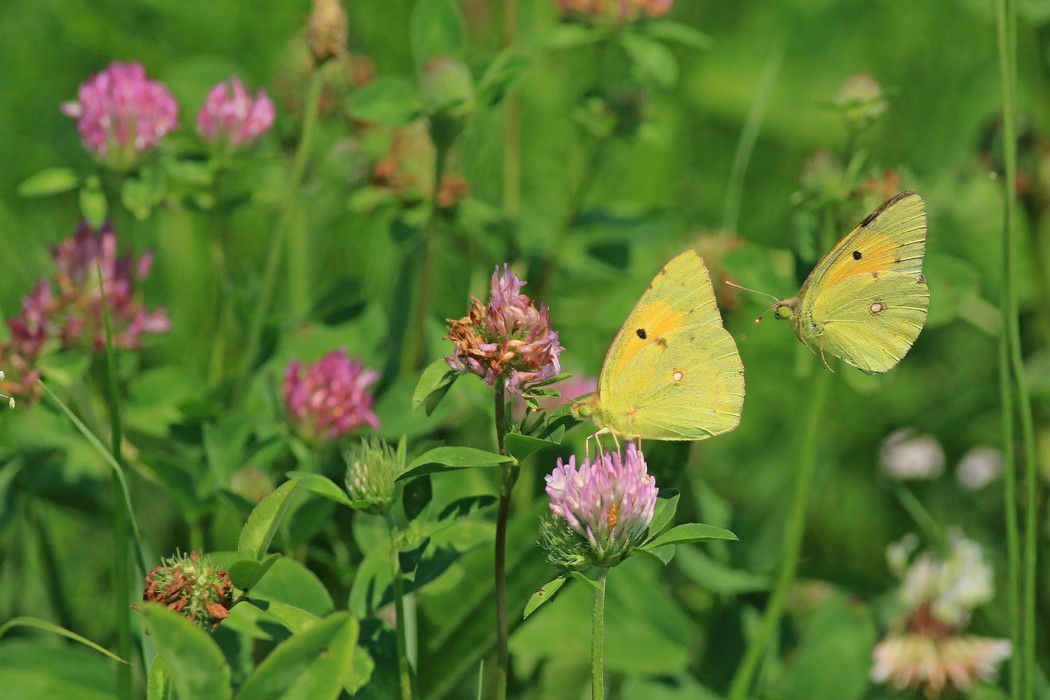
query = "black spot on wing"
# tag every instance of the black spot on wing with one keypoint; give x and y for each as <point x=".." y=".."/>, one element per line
<point x="857" y="255"/>
<point x="641" y="333"/>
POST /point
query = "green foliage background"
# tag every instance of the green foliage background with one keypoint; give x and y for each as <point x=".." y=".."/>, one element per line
<point x="653" y="196"/>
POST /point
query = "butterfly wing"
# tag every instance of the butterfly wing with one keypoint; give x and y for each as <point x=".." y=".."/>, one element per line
<point x="672" y="372"/>
<point x="871" y="320"/>
<point x="866" y="301"/>
<point x="891" y="238"/>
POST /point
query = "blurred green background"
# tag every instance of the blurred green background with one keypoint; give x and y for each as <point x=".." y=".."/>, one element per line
<point x="655" y="194"/>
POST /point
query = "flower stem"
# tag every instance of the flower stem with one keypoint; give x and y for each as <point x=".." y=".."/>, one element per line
<point x="576" y="201"/>
<point x="426" y="275"/>
<point x="793" y="535"/>
<point x="285" y="221"/>
<point x="404" y="671"/>
<point x="1016" y="403"/>
<point x="598" y="638"/>
<point x="748" y="136"/>
<point x="222" y="321"/>
<point x="512" y="125"/>
<point x="508" y="477"/>
<point x="121" y="544"/>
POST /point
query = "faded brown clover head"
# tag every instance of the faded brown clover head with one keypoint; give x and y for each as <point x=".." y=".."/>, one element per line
<point x="192" y="586"/>
<point x="508" y="339"/>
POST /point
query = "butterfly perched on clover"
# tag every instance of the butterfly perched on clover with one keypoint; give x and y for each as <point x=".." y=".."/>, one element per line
<point x="866" y="301"/>
<point x="672" y="371"/>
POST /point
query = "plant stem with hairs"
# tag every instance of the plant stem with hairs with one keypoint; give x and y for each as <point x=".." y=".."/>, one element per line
<point x="598" y="637"/>
<point x="508" y="477"/>
<point x="408" y="689"/>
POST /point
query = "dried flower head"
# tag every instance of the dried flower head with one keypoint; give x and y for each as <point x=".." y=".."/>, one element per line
<point x="938" y="666"/>
<point x="372" y="466"/>
<point x="407" y="169"/>
<point x="122" y="114"/>
<point x="231" y="117"/>
<point x="603" y="11"/>
<point x="192" y="586"/>
<point x="330" y="398"/>
<point x="326" y="31"/>
<point x="507" y="340"/>
<point x="926" y="648"/>
<point x="608" y="505"/>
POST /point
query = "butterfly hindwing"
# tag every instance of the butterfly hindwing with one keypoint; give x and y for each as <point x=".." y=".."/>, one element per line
<point x="871" y="321"/>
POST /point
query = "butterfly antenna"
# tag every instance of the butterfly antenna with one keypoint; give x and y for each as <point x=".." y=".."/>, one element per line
<point x="755" y="291"/>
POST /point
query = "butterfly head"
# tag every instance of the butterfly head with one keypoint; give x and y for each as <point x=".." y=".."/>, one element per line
<point x="783" y="310"/>
<point x="585" y="408"/>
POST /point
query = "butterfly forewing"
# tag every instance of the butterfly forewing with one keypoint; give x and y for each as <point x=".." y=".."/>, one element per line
<point x="893" y="237"/>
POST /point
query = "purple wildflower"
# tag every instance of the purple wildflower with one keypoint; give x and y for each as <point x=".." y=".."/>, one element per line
<point x="607" y="503"/>
<point x="79" y="260"/>
<point x="68" y="312"/>
<point x="509" y="339"/>
<point x="230" y="116"/>
<point x="121" y="114"/>
<point x="331" y="399"/>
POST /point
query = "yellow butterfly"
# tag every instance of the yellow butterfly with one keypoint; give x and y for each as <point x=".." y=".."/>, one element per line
<point x="672" y="372"/>
<point x="866" y="300"/>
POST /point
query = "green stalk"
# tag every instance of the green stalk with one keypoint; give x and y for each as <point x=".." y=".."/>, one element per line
<point x="508" y="477"/>
<point x="1017" y="403"/>
<point x="426" y="275"/>
<point x="118" y="470"/>
<point x="598" y="638"/>
<point x="404" y="671"/>
<point x="576" y="201"/>
<point x="748" y="137"/>
<point x="221" y="312"/>
<point x="512" y="125"/>
<point x="930" y="528"/>
<point x="121" y="545"/>
<point x="297" y="263"/>
<point x="796" y="528"/>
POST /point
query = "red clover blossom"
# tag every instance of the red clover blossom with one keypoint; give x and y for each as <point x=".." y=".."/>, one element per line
<point x="231" y="117"/>
<point x="607" y="504"/>
<point x="72" y="315"/>
<point x="508" y="340"/>
<point x="330" y="399"/>
<point x="121" y="114"/>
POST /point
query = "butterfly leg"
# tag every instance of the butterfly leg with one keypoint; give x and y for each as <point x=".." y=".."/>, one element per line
<point x="823" y="360"/>
<point x="597" y="443"/>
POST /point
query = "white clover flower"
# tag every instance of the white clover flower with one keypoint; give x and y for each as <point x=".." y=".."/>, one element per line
<point x="979" y="467"/>
<point x="908" y="455"/>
